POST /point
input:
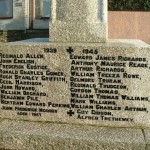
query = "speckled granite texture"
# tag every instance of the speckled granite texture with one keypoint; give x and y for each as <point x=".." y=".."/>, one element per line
<point x="22" y="135"/>
<point x="147" y="138"/>
<point x="78" y="21"/>
<point x="26" y="135"/>
<point x="59" y="93"/>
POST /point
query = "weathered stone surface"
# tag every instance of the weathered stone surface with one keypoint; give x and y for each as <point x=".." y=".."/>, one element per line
<point x="22" y="135"/>
<point x="81" y="81"/>
<point x="78" y="21"/>
<point x="147" y="147"/>
<point x="146" y="133"/>
<point x="77" y="83"/>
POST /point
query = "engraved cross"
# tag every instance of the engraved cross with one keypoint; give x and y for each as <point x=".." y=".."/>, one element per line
<point x="70" y="50"/>
<point x="70" y="113"/>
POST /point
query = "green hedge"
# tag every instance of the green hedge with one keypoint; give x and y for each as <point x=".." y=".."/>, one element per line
<point x="129" y="5"/>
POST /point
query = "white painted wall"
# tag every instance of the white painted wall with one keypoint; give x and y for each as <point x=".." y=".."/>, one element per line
<point x="20" y="20"/>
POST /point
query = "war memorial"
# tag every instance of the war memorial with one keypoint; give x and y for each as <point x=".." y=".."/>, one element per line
<point x="78" y="89"/>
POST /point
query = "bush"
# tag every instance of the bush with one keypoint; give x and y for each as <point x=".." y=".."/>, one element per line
<point x="129" y="5"/>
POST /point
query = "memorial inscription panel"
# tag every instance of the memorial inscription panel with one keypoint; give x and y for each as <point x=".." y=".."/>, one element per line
<point x="103" y="84"/>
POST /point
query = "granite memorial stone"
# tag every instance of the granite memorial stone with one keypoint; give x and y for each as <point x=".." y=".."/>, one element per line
<point x="78" y="21"/>
<point x="103" y="84"/>
<point x="79" y="77"/>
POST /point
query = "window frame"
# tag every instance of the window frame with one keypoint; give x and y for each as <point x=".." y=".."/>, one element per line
<point x="41" y="11"/>
<point x="5" y="18"/>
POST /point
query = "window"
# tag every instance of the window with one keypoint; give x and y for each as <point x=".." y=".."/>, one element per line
<point x="6" y="8"/>
<point x="46" y="4"/>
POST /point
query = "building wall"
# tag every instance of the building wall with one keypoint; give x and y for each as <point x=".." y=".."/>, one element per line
<point x="129" y="25"/>
<point x="20" y="17"/>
